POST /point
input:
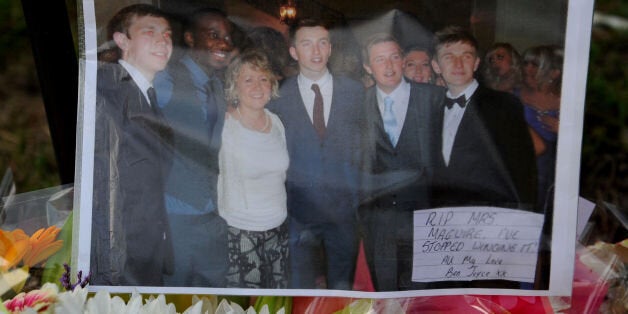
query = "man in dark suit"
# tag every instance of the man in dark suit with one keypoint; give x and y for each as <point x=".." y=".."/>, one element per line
<point x="483" y="151"/>
<point x="191" y="94"/>
<point x="398" y="164"/>
<point x="322" y="115"/>
<point x="130" y="232"/>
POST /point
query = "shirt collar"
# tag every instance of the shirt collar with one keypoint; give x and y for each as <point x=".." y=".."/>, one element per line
<point x="401" y="89"/>
<point x="137" y="76"/>
<point x="468" y="92"/>
<point x="321" y="81"/>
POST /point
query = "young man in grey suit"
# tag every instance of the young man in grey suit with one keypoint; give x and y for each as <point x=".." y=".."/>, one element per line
<point x="399" y="163"/>
<point x="131" y="242"/>
<point x="322" y="117"/>
<point x="191" y="93"/>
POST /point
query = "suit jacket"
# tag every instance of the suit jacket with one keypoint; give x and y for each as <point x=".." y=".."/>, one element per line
<point x="130" y="232"/>
<point x="323" y="177"/>
<point x="186" y="99"/>
<point x="397" y="183"/>
<point x="491" y="164"/>
<point x="492" y="160"/>
<point x="409" y="183"/>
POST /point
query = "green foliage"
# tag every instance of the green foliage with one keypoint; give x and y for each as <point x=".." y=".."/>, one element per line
<point x="13" y="33"/>
<point x="616" y="7"/>
<point x="274" y="303"/>
<point x="54" y="265"/>
<point x="605" y="143"/>
<point x="25" y="143"/>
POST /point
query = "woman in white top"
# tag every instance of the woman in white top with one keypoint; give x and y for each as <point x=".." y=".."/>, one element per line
<point x="251" y="185"/>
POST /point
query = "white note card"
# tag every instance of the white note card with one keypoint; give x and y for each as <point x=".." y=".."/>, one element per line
<point x="475" y="243"/>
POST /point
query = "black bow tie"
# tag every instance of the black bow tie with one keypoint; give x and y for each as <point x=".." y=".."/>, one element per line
<point x="461" y="101"/>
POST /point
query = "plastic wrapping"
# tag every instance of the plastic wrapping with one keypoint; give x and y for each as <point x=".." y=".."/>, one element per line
<point x="148" y="218"/>
<point x="599" y="280"/>
<point x="37" y="209"/>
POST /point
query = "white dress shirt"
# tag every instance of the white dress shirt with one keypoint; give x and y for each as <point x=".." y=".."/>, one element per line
<point x="325" y="84"/>
<point x="452" y="119"/>
<point x="139" y="79"/>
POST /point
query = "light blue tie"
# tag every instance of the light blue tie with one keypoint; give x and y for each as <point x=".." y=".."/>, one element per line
<point x="390" y="121"/>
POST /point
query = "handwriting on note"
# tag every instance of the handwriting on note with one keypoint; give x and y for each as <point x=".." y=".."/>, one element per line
<point x="475" y="243"/>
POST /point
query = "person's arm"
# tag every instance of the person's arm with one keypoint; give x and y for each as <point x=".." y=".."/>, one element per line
<point x="550" y="123"/>
<point x="537" y="142"/>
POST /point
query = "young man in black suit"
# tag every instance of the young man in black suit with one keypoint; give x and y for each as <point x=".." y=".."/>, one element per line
<point x="398" y="162"/>
<point x="484" y="151"/>
<point x="131" y="242"/>
<point x="321" y="114"/>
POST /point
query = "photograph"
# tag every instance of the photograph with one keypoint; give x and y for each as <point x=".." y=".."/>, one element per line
<point x="330" y="148"/>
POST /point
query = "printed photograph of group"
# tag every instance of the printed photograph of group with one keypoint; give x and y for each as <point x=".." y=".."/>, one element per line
<point x="234" y="147"/>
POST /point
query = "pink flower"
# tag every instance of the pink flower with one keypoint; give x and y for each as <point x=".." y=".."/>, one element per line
<point x="38" y="300"/>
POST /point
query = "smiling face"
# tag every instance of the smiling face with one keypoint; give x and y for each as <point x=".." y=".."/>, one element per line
<point x="456" y="62"/>
<point x="416" y="66"/>
<point x="500" y="61"/>
<point x="253" y="87"/>
<point x="530" y="72"/>
<point x="386" y="65"/>
<point x="311" y="49"/>
<point x="210" y="41"/>
<point x="148" y="45"/>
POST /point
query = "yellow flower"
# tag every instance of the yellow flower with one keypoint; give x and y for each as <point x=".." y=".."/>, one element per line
<point x="13" y="246"/>
<point x="42" y="246"/>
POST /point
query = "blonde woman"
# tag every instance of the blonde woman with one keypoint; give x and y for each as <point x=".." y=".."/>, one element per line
<point x="253" y="163"/>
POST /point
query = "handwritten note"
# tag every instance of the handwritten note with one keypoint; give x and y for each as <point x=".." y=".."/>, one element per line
<point x="475" y="243"/>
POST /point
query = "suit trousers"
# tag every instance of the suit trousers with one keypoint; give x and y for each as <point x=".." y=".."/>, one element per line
<point x="200" y="250"/>
<point x="317" y="249"/>
<point x="387" y="235"/>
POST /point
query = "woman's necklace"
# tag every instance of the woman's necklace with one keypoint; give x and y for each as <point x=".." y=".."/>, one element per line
<point x="246" y="125"/>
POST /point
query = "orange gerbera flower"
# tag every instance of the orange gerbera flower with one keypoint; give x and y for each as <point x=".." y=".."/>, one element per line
<point x="42" y="246"/>
<point x="13" y="246"/>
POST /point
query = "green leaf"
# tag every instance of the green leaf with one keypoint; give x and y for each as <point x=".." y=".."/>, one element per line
<point x="54" y="265"/>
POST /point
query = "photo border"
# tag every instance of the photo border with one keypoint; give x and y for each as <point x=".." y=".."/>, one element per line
<point x="577" y="42"/>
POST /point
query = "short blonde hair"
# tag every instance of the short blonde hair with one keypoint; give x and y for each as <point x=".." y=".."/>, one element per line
<point x="375" y="39"/>
<point x="257" y="60"/>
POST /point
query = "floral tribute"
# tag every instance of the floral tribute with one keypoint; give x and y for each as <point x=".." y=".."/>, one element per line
<point x="48" y="299"/>
<point x="17" y="248"/>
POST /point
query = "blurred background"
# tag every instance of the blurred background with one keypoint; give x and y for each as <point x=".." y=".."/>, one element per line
<point x="26" y="145"/>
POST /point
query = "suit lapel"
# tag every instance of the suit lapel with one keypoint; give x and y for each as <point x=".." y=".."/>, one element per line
<point x="378" y="134"/>
<point x="337" y="110"/>
<point x="135" y="102"/>
<point x="297" y="108"/>
<point x="470" y="125"/>
<point x="420" y="108"/>
<point x="438" y="115"/>
<point x="216" y="90"/>
<point x="477" y="122"/>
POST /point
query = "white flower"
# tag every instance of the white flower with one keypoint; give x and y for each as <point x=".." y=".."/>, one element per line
<point x="99" y="304"/>
<point x="135" y="303"/>
<point x="263" y="310"/>
<point x="207" y="305"/>
<point x="196" y="308"/>
<point x="158" y="305"/>
<point x="71" y="302"/>
<point x="226" y="307"/>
